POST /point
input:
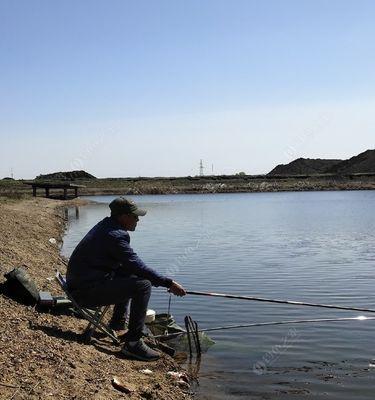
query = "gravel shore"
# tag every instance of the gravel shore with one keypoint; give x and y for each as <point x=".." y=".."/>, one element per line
<point x="41" y="355"/>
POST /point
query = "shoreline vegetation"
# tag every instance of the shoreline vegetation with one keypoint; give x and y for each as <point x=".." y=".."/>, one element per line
<point x="41" y="354"/>
<point x="203" y="184"/>
<point x="302" y="174"/>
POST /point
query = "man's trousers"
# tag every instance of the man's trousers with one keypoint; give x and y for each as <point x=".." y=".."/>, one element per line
<point x="116" y="291"/>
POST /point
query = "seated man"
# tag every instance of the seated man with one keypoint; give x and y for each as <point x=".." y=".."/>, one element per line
<point x="103" y="269"/>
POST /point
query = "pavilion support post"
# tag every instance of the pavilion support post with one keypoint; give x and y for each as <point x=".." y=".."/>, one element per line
<point x="49" y="188"/>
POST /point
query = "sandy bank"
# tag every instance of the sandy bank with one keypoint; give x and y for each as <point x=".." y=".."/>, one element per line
<point x="40" y="354"/>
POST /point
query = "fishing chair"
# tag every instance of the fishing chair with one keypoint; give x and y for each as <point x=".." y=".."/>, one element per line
<point x="94" y="317"/>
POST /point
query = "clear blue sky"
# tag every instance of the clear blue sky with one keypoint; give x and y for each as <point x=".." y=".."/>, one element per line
<point x="129" y="88"/>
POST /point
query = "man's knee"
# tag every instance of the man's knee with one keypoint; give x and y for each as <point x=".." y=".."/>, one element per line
<point x="143" y="285"/>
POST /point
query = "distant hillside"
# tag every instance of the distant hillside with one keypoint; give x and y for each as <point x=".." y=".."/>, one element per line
<point x="66" y="176"/>
<point x="304" y="166"/>
<point x="362" y="163"/>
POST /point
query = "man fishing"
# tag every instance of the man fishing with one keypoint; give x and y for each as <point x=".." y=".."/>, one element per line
<point x="103" y="270"/>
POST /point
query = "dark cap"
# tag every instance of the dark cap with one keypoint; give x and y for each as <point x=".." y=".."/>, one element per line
<point x="121" y="205"/>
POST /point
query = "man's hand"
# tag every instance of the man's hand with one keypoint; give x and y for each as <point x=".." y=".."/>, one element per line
<point x="177" y="289"/>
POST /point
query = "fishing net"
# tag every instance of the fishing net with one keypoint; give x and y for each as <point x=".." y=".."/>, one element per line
<point x="181" y="342"/>
<point x="165" y="324"/>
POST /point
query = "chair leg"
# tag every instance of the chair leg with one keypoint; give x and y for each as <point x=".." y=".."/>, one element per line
<point x="95" y="322"/>
<point x="95" y="319"/>
<point x="90" y="328"/>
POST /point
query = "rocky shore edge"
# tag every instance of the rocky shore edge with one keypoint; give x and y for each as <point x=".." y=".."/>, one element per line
<point x="41" y="355"/>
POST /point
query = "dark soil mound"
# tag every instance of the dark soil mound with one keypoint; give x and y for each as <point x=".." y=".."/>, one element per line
<point x="362" y="163"/>
<point x="66" y="176"/>
<point x="304" y="166"/>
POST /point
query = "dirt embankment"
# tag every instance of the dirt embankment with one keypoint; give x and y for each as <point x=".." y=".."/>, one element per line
<point x="205" y="184"/>
<point x="41" y="355"/>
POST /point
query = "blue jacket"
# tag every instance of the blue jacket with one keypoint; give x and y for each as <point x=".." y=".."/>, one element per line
<point x="103" y="250"/>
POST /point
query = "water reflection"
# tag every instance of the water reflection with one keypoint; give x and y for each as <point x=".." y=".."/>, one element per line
<point x="70" y="213"/>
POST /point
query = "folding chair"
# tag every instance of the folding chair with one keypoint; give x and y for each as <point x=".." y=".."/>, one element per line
<point x="95" y="318"/>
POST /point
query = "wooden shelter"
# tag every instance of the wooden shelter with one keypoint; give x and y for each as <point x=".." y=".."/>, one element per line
<point x="47" y="186"/>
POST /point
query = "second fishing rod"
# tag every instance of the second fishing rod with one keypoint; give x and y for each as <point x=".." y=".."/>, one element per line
<point x="290" y="302"/>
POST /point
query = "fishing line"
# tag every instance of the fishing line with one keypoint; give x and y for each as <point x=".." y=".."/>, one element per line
<point x="169" y="304"/>
<point x="256" y="324"/>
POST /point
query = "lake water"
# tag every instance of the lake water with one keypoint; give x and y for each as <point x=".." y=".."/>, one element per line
<point x="308" y="246"/>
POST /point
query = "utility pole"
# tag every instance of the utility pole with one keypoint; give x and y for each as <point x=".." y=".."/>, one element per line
<point x="201" y="168"/>
<point x="11" y="172"/>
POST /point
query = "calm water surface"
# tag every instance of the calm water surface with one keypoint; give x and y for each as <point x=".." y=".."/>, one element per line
<point x="312" y="246"/>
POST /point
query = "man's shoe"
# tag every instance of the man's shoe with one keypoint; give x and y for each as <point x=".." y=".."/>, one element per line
<point x="140" y="351"/>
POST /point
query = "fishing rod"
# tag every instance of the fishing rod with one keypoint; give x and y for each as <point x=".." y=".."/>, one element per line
<point x="255" y="324"/>
<point x="295" y="303"/>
